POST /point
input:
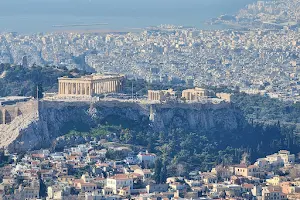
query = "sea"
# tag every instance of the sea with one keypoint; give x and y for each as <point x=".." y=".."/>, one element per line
<point x="37" y="16"/>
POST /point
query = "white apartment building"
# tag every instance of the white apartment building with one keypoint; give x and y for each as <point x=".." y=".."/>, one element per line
<point x="119" y="181"/>
<point x="282" y="158"/>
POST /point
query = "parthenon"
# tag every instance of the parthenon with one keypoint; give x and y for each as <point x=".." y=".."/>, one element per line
<point x="90" y="85"/>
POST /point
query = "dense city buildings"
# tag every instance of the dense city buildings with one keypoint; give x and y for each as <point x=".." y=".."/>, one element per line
<point x="256" y="59"/>
<point x="186" y="142"/>
<point x="134" y="177"/>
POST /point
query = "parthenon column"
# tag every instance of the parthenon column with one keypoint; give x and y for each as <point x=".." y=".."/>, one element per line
<point x="79" y="88"/>
<point x="101" y="87"/>
<point x="98" y="88"/>
<point x="70" y="88"/>
<point x="90" y="91"/>
<point x="114" y="86"/>
<point x="76" y="88"/>
<point x="67" y="88"/>
<point x="107" y="83"/>
<point x="85" y="89"/>
<point x="105" y="87"/>
<point x="118" y="85"/>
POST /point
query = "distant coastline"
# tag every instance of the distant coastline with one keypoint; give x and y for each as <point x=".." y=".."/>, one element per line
<point x="117" y="17"/>
<point x="79" y="25"/>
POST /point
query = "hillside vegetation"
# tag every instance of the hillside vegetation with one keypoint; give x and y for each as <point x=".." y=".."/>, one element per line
<point x="20" y="81"/>
<point x="181" y="150"/>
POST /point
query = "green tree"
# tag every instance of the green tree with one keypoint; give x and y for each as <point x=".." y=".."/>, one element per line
<point x="157" y="170"/>
<point x="43" y="187"/>
<point x="164" y="173"/>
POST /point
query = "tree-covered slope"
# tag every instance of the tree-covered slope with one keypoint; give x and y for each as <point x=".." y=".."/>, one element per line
<point x="20" y="81"/>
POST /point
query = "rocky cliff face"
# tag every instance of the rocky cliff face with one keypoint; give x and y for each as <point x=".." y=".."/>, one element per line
<point x="58" y="118"/>
<point x="196" y="116"/>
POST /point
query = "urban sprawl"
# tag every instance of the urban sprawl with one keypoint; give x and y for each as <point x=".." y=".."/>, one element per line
<point x="262" y="58"/>
<point x="260" y="55"/>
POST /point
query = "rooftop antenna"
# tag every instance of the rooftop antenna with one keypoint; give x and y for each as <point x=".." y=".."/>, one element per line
<point x="37" y="97"/>
<point x="132" y="90"/>
<point x="37" y="93"/>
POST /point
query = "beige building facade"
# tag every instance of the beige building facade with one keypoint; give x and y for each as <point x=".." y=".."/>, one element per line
<point x="90" y="85"/>
<point x="195" y="94"/>
<point x="160" y="95"/>
<point x="119" y="181"/>
<point x="225" y="96"/>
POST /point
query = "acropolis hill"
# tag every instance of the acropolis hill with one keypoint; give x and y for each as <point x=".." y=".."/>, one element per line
<point x="47" y="120"/>
<point x="85" y="102"/>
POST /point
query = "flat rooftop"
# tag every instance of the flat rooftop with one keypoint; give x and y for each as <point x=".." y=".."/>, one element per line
<point x="13" y="99"/>
<point x="94" y="77"/>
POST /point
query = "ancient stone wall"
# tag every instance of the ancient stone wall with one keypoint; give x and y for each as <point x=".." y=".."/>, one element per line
<point x="21" y="115"/>
<point x="9" y="113"/>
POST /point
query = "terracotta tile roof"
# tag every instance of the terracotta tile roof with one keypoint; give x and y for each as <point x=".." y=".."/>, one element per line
<point x="248" y="186"/>
<point x="121" y="177"/>
<point x="241" y="166"/>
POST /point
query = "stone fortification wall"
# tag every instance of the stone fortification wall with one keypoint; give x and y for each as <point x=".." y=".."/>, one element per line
<point x="8" y="113"/>
<point x="196" y="106"/>
<point x="22" y="116"/>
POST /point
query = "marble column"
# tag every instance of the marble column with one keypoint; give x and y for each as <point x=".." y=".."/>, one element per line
<point x="76" y="88"/>
<point x="85" y="89"/>
<point x="90" y="91"/>
<point x="70" y="88"/>
<point x="79" y="88"/>
<point x="82" y="88"/>
<point x="105" y="87"/>
<point x="114" y="86"/>
<point x="101" y="87"/>
<point x="73" y="88"/>
<point x="67" y="88"/>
